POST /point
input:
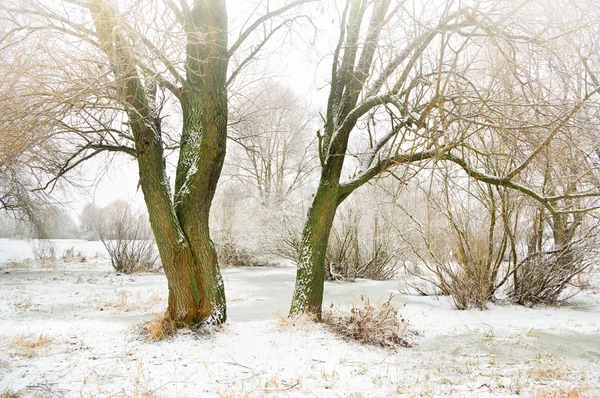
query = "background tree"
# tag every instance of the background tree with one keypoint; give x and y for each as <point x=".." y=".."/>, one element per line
<point x="274" y="131"/>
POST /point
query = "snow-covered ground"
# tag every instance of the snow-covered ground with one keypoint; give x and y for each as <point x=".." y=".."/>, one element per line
<point x="68" y="328"/>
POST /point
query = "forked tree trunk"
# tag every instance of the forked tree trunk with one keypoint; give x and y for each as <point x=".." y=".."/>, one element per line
<point x="180" y="223"/>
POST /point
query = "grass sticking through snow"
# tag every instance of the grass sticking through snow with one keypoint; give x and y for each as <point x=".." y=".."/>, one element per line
<point x="160" y="327"/>
<point x="27" y="345"/>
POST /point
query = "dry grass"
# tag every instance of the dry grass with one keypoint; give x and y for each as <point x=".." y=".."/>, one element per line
<point x="28" y="345"/>
<point x="552" y="371"/>
<point x="14" y="265"/>
<point x="128" y="302"/>
<point x="559" y="392"/>
<point x="70" y="256"/>
<point x="297" y="322"/>
<point x="9" y="394"/>
<point x="22" y="303"/>
<point x="378" y="325"/>
<point x="160" y="327"/>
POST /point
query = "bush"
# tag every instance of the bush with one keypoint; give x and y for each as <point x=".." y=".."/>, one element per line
<point x="44" y="249"/>
<point x="378" y="325"/>
<point x="543" y="277"/>
<point x="231" y="254"/>
<point x="127" y="238"/>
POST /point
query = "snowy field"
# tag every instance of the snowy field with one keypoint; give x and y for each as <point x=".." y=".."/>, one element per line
<point x="68" y="329"/>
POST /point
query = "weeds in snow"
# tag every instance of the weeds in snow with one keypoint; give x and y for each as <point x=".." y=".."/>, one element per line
<point x="23" y="304"/>
<point x="553" y="371"/>
<point x="128" y="302"/>
<point x="9" y="394"/>
<point x="299" y="322"/>
<point x="70" y="256"/>
<point x="160" y="327"/>
<point x="27" y="345"/>
<point x="378" y="325"/>
<point x="559" y="392"/>
<point x="14" y="265"/>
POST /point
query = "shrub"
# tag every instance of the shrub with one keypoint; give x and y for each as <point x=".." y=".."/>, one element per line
<point x="543" y="277"/>
<point x="231" y="254"/>
<point x="44" y="250"/>
<point x="127" y="238"/>
<point x="378" y="325"/>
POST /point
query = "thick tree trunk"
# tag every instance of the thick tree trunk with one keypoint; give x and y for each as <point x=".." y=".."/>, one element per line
<point x="180" y="224"/>
<point x="310" y="276"/>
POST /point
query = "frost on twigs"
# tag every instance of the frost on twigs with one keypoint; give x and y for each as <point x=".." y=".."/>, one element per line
<point x="372" y="324"/>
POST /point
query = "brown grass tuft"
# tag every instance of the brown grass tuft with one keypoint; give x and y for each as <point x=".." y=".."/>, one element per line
<point x="27" y="345"/>
<point x="554" y="371"/>
<point x="14" y="265"/>
<point x="160" y="327"/>
<point x="378" y="325"/>
<point x="559" y="392"/>
<point x="9" y="394"/>
<point x="298" y="322"/>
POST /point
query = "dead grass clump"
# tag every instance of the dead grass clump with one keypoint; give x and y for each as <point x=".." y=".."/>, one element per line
<point x="23" y="303"/>
<point x="14" y="265"/>
<point x="559" y="392"/>
<point x="27" y="345"/>
<point x="9" y="394"/>
<point x="71" y="256"/>
<point x="128" y="302"/>
<point x="548" y="371"/>
<point x="378" y="325"/>
<point x="295" y="322"/>
<point x="160" y="327"/>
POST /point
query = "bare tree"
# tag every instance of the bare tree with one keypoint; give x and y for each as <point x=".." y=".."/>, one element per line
<point x="274" y="132"/>
<point x="433" y="96"/>
<point x="109" y="70"/>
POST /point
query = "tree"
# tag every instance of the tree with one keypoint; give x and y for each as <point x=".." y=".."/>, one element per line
<point x="180" y="53"/>
<point x="421" y="89"/>
<point x="273" y="131"/>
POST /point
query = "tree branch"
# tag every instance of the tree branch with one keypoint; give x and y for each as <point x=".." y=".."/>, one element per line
<point x="262" y="19"/>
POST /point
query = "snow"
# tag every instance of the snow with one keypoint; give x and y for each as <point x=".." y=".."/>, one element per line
<point x="89" y="315"/>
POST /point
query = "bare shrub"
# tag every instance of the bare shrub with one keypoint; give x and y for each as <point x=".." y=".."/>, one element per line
<point x="372" y="324"/>
<point x="127" y="238"/>
<point x="542" y="278"/>
<point x="560" y="248"/>
<point x="231" y="254"/>
<point x="286" y="226"/>
<point x="361" y="249"/>
<point x="463" y="254"/>
<point x="44" y="250"/>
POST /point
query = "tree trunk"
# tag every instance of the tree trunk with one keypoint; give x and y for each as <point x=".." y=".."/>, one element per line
<point x="310" y="276"/>
<point x="180" y="224"/>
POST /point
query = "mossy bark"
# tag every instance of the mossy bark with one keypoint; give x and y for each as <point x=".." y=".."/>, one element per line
<point x="180" y="221"/>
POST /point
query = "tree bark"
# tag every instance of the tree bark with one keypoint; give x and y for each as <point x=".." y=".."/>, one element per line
<point x="310" y="275"/>
<point x="180" y="225"/>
